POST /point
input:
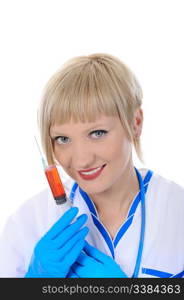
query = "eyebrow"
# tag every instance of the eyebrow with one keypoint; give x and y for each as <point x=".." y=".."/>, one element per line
<point x="89" y="129"/>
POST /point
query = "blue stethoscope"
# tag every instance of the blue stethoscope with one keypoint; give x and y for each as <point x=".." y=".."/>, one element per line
<point x="143" y="221"/>
<point x="143" y="217"/>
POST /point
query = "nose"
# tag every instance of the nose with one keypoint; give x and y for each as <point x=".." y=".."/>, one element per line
<point x="82" y="157"/>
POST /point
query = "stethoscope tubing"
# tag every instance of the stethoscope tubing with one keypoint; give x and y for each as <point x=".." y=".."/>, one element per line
<point x="143" y="222"/>
<point x="143" y="225"/>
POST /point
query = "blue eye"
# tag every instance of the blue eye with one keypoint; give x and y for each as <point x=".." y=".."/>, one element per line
<point x="98" y="133"/>
<point x="61" y="139"/>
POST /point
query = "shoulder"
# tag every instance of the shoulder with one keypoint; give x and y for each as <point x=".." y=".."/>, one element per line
<point x="40" y="211"/>
<point x="166" y="187"/>
<point x="29" y="219"/>
<point x="24" y="228"/>
<point x="165" y="196"/>
<point x="21" y="231"/>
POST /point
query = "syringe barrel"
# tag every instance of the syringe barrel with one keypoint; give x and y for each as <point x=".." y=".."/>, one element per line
<point x="55" y="184"/>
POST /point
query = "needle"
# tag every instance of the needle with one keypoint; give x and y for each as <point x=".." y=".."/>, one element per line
<point x="43" y="160"/>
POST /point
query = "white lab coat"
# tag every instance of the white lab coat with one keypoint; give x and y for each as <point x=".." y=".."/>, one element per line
<point x="163" y="252"/>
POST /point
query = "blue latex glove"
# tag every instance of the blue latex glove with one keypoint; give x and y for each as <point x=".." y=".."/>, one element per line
<point x="59" y="248"/>
<point x="72" y="274"/>
<point x="95" y="264"/>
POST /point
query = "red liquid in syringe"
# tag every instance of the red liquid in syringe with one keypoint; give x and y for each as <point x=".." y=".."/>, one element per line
<point x="55" y="184"/>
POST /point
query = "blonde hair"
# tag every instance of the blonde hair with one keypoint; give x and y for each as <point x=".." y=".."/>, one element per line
<point x="83" y="89"/>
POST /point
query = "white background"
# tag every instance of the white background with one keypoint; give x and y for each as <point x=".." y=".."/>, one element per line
<point x="38" y="36"/>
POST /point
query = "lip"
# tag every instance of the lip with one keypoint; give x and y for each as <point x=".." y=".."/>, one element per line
<point x="91" y="176"/>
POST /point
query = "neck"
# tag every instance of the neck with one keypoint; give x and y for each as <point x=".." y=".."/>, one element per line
<point x="119" y="197"/>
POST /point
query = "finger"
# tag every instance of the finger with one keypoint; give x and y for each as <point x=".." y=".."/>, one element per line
<point x="95" y="253"/>
<point x="68" y="249"/>
<point x="68" y="254"/>
<point x="63" y="222"/>
<point x="69" y="231"/>
<point x="84" y="259"/>
<point x="72" y="274"/>
<point x="81" y="271"/>
<point x="55" y="270"/>
<point x="73" y="249"/>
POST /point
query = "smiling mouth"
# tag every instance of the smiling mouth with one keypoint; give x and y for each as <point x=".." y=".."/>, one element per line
<point x="91" y="174"/>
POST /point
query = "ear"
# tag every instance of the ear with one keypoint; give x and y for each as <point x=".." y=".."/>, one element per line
<point x="137" y="123"/>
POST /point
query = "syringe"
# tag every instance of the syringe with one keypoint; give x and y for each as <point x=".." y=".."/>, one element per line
<point x="55" y="183"/>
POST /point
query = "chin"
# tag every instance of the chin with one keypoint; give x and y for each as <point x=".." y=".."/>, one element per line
<point x="94" y="189"/>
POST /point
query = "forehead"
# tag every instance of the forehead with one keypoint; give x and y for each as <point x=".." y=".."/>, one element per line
<point x="107" y="121"/>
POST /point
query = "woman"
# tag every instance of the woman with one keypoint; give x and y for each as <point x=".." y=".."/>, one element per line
<point x="130" y="222"/>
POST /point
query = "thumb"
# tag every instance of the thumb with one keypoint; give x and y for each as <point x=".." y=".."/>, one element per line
<point x="95" y="253"/>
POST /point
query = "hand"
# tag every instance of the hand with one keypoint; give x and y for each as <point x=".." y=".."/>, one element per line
<point x="72" y="274"/>
<point x="95" y="264"/>
<point x="59" y="248"/>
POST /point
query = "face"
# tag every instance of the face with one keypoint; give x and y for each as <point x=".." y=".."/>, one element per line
<point x="94" y="154"/>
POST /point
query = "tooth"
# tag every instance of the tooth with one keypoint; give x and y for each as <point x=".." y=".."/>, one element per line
<point x="91" y="172"/>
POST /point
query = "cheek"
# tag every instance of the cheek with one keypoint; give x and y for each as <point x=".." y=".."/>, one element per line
<point x="60" y="155"/>
<point x="56" y="152"/>
<point x="121" y="150"/>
